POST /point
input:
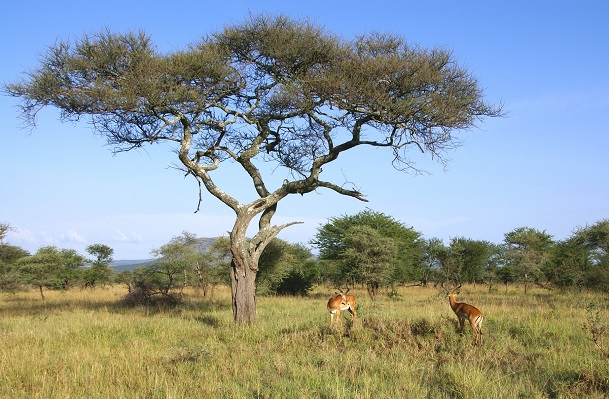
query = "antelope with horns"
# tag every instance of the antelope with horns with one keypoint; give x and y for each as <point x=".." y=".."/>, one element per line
<point x="465" y="312"/>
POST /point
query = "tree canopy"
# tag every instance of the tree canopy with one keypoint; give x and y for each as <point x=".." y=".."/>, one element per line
<point x="371" y="248"/>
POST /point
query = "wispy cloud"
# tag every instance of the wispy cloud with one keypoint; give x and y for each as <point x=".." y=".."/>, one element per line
<point x="73" y="236"/>
<point x="121" y="236"/>
<point x="20" y="235"/>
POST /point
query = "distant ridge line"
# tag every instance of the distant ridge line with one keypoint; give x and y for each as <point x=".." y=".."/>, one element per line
<point x="203" y="245"/>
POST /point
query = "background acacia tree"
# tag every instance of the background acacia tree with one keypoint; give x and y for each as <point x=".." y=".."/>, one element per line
<point x="99" y="272"/>
<point x="369" y="257"/>
<point x="470" y="258"/>
<point x="335" y="238"/>
<point x="71" y="267"/>
<point x="581" y="260"/>
<point x="9" y="266"/>
<point x="595" y="239"/>
<point x="435" y="254"/>
<point x="9" y="257"/>
<point x="270" y="89"/>
<point x="43" y="269"/>
<point x="527" y="252"/>
<point x="286" y="269"/>
<point x="177" y="264"/>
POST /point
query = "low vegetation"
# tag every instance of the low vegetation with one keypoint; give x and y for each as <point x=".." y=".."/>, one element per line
<point x="84" y="344"/>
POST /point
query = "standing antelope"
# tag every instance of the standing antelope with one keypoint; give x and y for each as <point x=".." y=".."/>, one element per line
<point x="465" y="312"/>
<point x="341" y="301"/>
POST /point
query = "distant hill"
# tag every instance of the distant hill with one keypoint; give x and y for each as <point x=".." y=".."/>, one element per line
<point x="204" y="243"/>
<point x="203" y="246"/>
<point x="127" y="265"/>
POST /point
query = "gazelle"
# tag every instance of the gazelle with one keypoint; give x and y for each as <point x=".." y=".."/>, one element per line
<point x="465" y="312"/>
<point x="341" y="301"/>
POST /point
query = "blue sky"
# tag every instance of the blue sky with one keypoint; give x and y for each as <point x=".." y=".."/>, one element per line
<point x="545" y="165"/>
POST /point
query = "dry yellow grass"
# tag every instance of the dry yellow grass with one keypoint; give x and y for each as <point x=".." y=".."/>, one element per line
<point x="80" y="344"/>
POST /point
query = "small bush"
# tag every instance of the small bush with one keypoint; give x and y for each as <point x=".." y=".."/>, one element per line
<point x="142" y="297"/>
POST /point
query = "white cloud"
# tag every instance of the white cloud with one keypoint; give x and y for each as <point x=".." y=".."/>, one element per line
<point x="20" y="235"/>
<point x="121" y="236"/>
<point x="73" y="236"/>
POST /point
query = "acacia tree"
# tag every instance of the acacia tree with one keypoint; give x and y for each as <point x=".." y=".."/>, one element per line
<point x="9" y="256"/>
<point x="71" y="270"/>
<point x="435" y="254"/>
<point x="271" y="89"/>
<point x="43" y="269"/>
<point x="527" y="251"/>
<point x="179" y="257"/>
<point x="582" y="259"/>
<point x="471" y="257"/>
<point x="331" y="240"/>
<point x="369" y="257"/>
<point x="100" y="271"/>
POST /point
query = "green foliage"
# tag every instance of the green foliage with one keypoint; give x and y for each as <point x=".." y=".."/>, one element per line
<point x="506" y="275"/>
<point x="42" y="270"/>
<point x="9" y="266"/>
<point x="295" y="283"/>
<point x="179" y="258"/>
<point x="568" y="264"/>
<point x="333" y="244"/>
<point x="470" y="258"/>
<point x="103" y="253"/>
<point x="50" y="267"/>
<point x="71" y="271"/>
<point x="582" y="259"/>
<point x="99" y="273"/>
<point x="148" y="288"/>
<point x="463" y="260"/>
<point x="527" y="251"/>
<point x="435" y="257"/>
<point x="369" y="257"/>
<point x="286" y="269"/>
<point x="595" y="237"/>
<point x="179" y="264"/>
<point x="185" y="261"/>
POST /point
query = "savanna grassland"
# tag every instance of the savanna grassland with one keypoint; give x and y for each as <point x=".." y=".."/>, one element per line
<point x="81" y="344"/>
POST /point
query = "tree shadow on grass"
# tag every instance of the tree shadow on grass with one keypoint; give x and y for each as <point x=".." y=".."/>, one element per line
<point x="30" y="307"/>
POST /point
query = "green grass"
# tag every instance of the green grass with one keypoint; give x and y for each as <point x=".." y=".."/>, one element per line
<point x="80" y="344"/>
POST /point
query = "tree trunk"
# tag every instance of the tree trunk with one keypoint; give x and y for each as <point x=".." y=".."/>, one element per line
<point x="243" y="287"/>
<point x="245" y="256"/>
<point x="243" y="270"/>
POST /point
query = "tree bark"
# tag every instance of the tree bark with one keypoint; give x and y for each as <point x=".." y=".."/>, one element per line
<point x="243" y="287"/>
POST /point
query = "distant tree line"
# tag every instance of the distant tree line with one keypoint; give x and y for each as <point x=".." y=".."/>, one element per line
<point x="369" y="249"/>
<point x="375" y="250"/>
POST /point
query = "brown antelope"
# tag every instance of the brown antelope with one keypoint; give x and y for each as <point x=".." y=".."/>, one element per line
<point x="341" y="301"/>
<point x="465" y="312"/>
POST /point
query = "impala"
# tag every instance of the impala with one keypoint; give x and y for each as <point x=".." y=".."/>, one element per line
<point x="341" y="301"/>
<point x="465" y="312"/>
